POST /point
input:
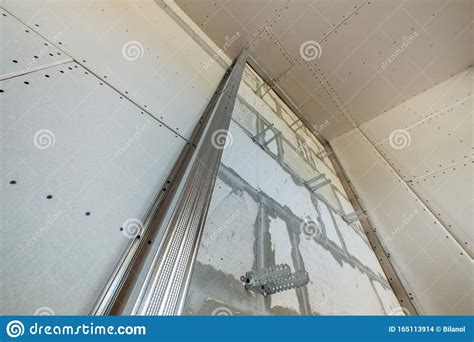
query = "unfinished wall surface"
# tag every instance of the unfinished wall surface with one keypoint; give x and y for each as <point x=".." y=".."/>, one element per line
<point x="344" y="60"/>
<point x="97" y="100"/>
<point x="412" y="168"/>
<point x="262" y="214"/>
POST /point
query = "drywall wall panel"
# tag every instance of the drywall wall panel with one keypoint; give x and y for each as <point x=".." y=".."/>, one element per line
<point x="23" y="50"/>
<point x="435" y="144"/>
<point x="433" y="153"/>
<point x="135" y="47"/>
<point x="434" y="268"/>
<point x="449" y="195"/>
<point x="81" y="164"/>
<point x="437" y="101"/>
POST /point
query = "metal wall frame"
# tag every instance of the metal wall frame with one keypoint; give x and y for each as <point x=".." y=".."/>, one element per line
<point x="195" y="168"/>
<point x="399" y="290"/>
<point x="167" y="281"/>
<point x="181" y="211"/>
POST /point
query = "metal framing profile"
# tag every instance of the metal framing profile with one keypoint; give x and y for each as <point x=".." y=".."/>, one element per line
<point x="403" y="296"/>
<point x="180" y="209"/>
<point x="167" y="281"/>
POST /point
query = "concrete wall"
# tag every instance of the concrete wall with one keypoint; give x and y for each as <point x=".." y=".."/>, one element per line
<point x="412" y="169"/>
<point x="262" y="214"/>
<point x="97" y="101"/>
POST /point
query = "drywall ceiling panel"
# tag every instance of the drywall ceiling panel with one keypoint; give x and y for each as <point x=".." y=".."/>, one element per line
<point x="318" y="110"/>
<point x="335" y="12"/>
<point x="291" y="16"/>
<point x="302" y="76"/>
<point x="421" y="250"/>
<point x="454" y="207"/>
<point x="81" y="161"/>
<point x="411" y="38"/>
<point x="401" y="74"/>
<point x="400" y="25"/>
<point x="255" y="15"/>
<point x="348" y="79"/>
<point x="23" y="50"/>
<point x="224" y="24"/>
<point x="435" y="101"/>
<point x="202" y="10"/>
<point x="359" y="66"/>
<point x="457" y="57"/>
<point x="294" y="28"/>
<point x="326" y="98"/>
<point x="451" y="21"/>
<point x="421" y="81"/>
<point x="424" y="11"/>
<point x="335" y="124"/>
<point x="374" y="51"/>
<point x="135" y="47"/>
<point x="362" y="37"/>
<point x="356" y="30"/>
<point x="364" y="105"/>
<point x="248" y="10"/>
<point x="266" y="44"/>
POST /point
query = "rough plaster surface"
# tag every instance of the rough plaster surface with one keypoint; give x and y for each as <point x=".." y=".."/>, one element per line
<point x="257" y="219"/>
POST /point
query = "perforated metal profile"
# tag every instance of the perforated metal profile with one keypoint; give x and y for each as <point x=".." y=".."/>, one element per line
<point x="110" y="297"/>
<point x="397" y="286"/>
<point x="167" y="280"/>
